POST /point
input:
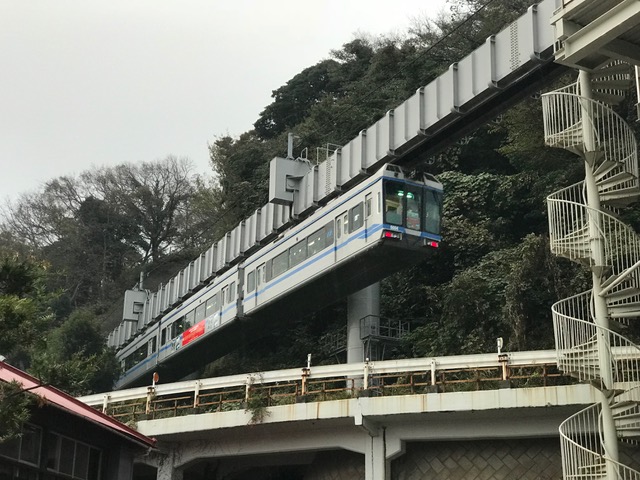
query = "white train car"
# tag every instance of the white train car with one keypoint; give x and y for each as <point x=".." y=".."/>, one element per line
<point x="379" y="227"/>
<point x="355" y="240"/>
<point x="165" y="342"/>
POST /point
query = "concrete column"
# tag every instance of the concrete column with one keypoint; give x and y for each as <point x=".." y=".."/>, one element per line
<point x="359" y="305"/>
<point x="167" y="469"/>
<point x="376" y="464"/>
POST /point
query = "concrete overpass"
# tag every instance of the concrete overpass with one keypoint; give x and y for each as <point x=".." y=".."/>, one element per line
<point x="481" y="413"/>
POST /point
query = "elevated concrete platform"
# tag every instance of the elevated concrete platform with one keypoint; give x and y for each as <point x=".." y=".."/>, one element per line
<point x="377" y="428"/>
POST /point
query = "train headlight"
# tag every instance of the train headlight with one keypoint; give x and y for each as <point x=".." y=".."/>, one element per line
<point x="432" y="243"/>
<point x="391" y="234"/>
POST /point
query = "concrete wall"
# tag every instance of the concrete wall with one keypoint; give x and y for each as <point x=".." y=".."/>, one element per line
<point x="535" y="459"/>
<point x="336" y="465"/>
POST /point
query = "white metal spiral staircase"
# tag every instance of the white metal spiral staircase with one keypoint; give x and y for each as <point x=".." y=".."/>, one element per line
<point x="584" y="227"/>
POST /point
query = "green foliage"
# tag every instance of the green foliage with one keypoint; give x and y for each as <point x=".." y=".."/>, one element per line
<point x="492" y="276"/>
<point x="14" y="409"/>
<point x="93" y="228"/>
<point x="291" y="102"/>
<point x="76" y="358"/>
<point x="24" y="308"/>
<point x="257" y="405"/>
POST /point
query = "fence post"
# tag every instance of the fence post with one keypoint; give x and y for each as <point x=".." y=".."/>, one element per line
<point x="247" y="388"/>
<point x="366" y="374"/>
<point x="433" y="372"/>
<point x="150" y="394"/>
<point x="503" y="358"/>
<point x="105" y="403"/>
<point x="196" y="394"/>
<point x="305" y="377"/>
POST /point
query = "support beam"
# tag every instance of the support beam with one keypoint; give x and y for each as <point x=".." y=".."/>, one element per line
<point x="376" y="464"/>
<point x="167" y="466"/>
<point x="360" y="305"/>
<point x="599" y="34"/>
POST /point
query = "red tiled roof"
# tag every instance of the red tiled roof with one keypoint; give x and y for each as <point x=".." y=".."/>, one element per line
<point x="59" y="399"/>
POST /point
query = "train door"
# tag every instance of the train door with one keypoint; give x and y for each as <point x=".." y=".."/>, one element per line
<point x="260" y="277"/>
<point x="369" y="218"/>
<point x="342" y="235"/>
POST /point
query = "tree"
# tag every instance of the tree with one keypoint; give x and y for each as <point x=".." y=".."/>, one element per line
<point x="14" y="410"/>
<point x="24" y="309"/>
<point x="76" y="358"/>
<point x="94" y="227"/>
<point x="292" y="101"/>
<point x="154" y="195"/>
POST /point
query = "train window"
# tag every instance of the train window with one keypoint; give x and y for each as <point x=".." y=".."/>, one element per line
<point x="153" y="345"/>
<point x="223" y="295"/>
<point x="368" y="201"/>
<point x="190" y="318"/>
<point x="163" y="340"/>
<point x="315" y="242"/>
<point x="328" y="234"/>
<point x="320" y="239"/>
<point x="413" y="197"/>
<point x="212" y="305"/>
<point x="298" y="253"/>
<point x="339" y="228"/>
<point x="345" y="223"/>
<point x="138" y="355"/>
<point x="268" y="271"/>
<point x="280" y="264"/>
<point x="393" y="202"/>
<point x="251" y="281"/>
<point x="232" y="292"/>
<point x="177" y="328"/>
<point x="432" y="211"/>
<point x="356" y="217"/>
<point x="199" y="313"/>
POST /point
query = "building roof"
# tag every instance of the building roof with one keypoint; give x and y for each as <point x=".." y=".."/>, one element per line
<point x="59" y="399"/>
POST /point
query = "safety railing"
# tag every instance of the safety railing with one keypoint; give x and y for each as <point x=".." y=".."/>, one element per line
<point x="588" y="351"/>
<point x="610" y="136"/>
<point x="334" y="382"/>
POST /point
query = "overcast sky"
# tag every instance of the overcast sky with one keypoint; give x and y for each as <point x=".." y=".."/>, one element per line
<point x="102" y="82"/>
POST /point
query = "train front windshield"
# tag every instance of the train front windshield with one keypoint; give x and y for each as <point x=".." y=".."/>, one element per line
<point x="412" y="206"/>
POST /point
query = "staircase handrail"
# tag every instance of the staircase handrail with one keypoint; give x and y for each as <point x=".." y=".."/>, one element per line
<point x="564" y="111"/>
<point x="618" y="237"/>
<point x="622" y="350"/>
<point x="623" y="276"/>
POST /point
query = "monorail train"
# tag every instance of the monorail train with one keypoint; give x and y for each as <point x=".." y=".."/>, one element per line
<point x="382" y="225"/>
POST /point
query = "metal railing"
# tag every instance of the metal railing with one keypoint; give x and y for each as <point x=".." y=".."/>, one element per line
<point x="576" y="345"/>
<point x="333" y="382"/>
<point x="565" y="114"/>
<point x="587" y="351"/>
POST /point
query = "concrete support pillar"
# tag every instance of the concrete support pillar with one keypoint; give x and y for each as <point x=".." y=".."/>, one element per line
<point x="376" y="464"/>
<point x="167" y="467"/>
<point x="361" y="304"/>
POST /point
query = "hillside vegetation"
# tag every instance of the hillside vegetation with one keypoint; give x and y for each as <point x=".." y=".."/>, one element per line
<point x="70" y="249"/>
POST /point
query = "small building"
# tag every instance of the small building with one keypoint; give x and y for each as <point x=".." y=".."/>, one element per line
<point x="66" y="439"/>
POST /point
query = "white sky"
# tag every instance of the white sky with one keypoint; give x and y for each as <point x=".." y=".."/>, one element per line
<point x="102" y="82"/>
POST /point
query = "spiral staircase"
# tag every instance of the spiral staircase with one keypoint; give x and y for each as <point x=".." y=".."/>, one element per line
<point x="601" y="441"/>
